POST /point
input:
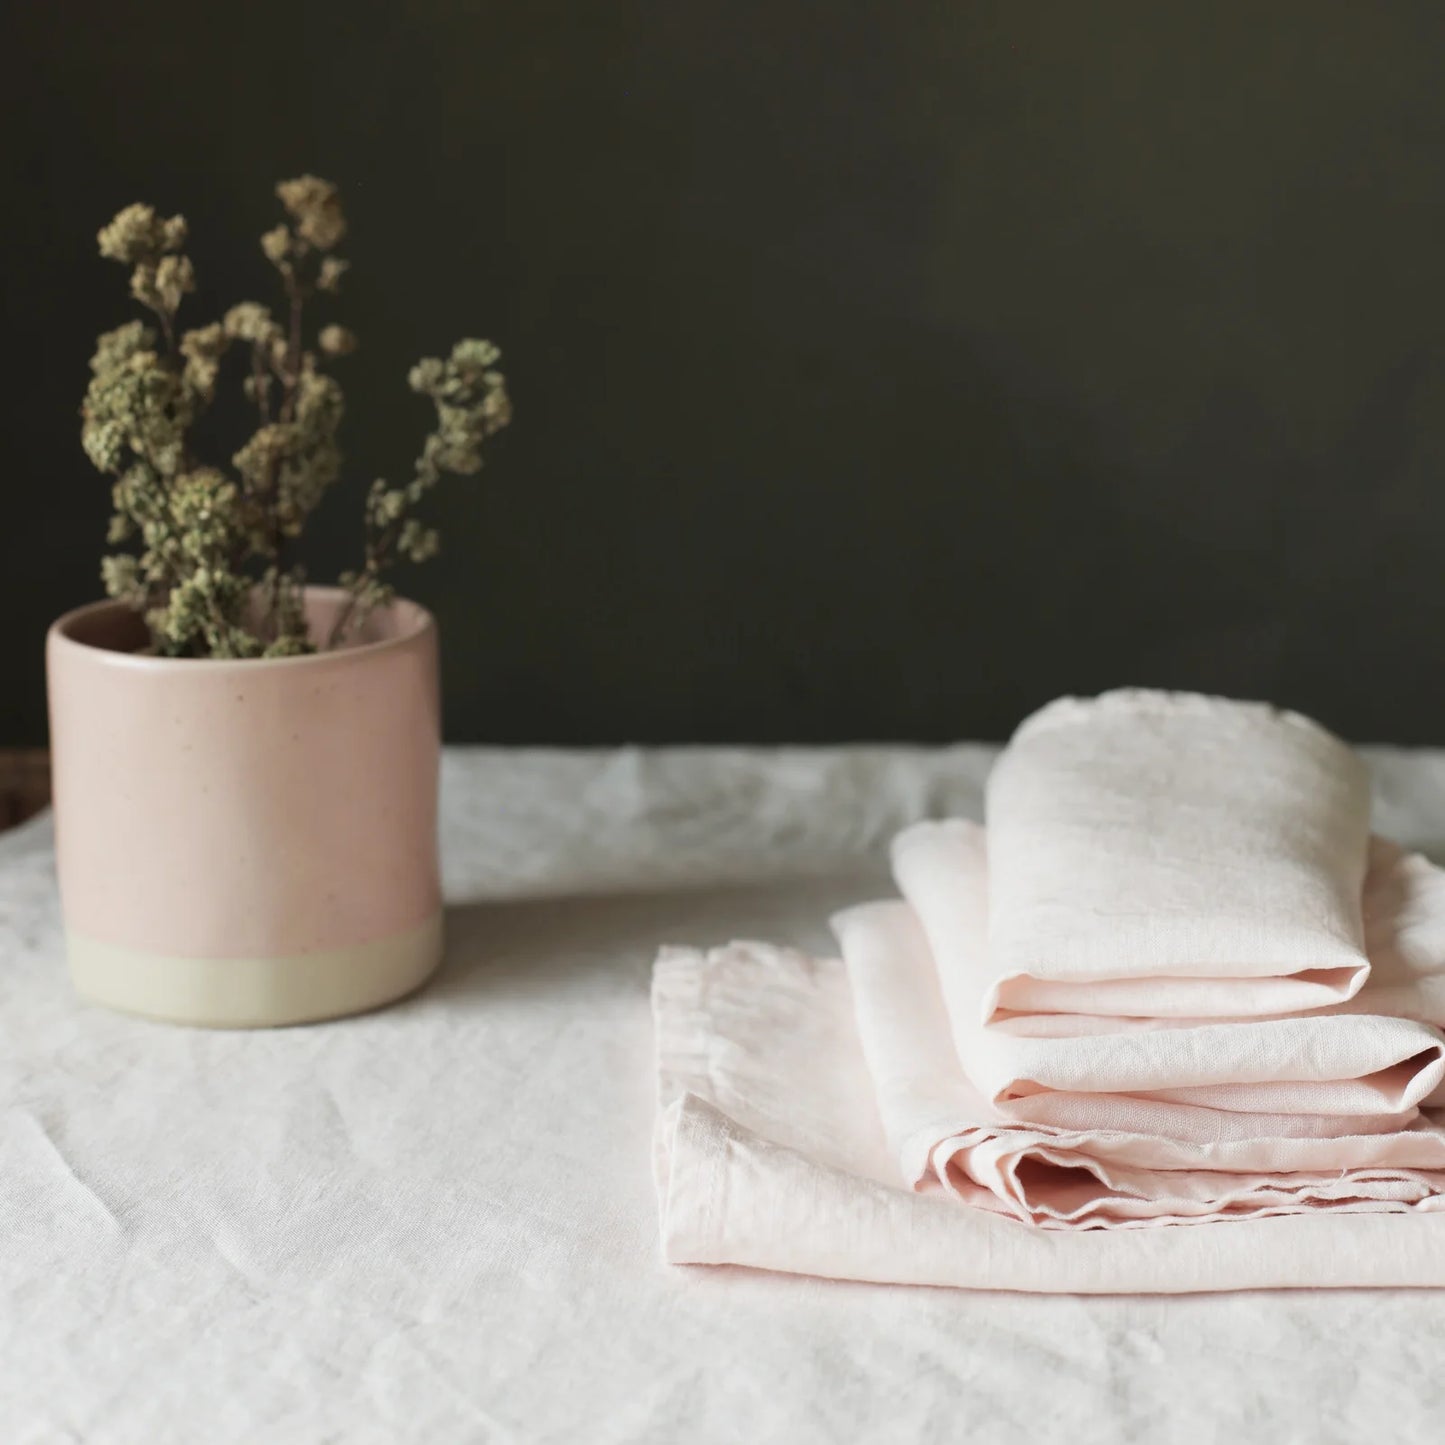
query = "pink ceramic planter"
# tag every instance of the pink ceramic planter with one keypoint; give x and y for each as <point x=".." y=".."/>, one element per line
<point x="247" y="843"/>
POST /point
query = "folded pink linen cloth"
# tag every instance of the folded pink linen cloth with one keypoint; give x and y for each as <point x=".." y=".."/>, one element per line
<point x="770" y="1153"/>
<point x="1166" y="854"/>
<point x="1175" y="983"/>
<point x="1104" y="1161"/>
<point x="1335" y="1063"/>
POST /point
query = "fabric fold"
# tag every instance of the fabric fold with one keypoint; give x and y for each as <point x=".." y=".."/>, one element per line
<point x="1329" y="1064"/>
<point x="771" y="1155"/>
<point x="1175" y="983"/>
<point x="1166" y="854"/>
<point x="1087" y="1173"/>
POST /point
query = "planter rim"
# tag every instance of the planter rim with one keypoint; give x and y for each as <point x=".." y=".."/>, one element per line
<point x="414" y="619"/>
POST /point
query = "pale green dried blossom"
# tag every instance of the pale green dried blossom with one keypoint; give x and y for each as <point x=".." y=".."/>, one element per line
<point x="122" y="578"/>
<point x="292" y="641"/>
<point x="137" y="499"/>
<point x="209" y="572"/>
<point x="250" y="321"/>
<point x="471" y="402"/>
<point x="315" y="206"/>
<point x="114" y="348"/>
<point x="161" y="285"/>
<point x="175" y="278"/>
<point x="138" y="234"/>
<point x="285" y="590"/>
<point x="160" y="277"/>
<point x="337" y="341"/>
<point x="135" y="406"/>
<point x="385" y="505"/>
<point x="202" y="509"/>
<point x="328" y="276"/>
<point x="426" y="375"/>
<point x="203" y="350"/>
<point x="265" y="449"/>
<point x="199" y="617"/>
<point x="475" y="354"/>
<point x="121" y="528"/>
<point x="472" y="405"/>
<point x="104" y="441"/>
<point x="292" y="464"/>
<point x="417" y="543"/>
<point x="143" y="285"/>
<point x="276" y="245"/>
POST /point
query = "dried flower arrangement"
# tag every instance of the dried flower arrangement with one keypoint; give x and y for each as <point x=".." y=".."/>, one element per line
<point x="212" y="576"/>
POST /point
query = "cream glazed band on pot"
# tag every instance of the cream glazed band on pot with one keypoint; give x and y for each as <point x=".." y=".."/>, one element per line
<point x="247" y="843"/>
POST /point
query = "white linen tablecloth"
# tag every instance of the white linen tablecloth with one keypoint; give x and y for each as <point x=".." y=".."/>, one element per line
<point x="437" y="1223"/>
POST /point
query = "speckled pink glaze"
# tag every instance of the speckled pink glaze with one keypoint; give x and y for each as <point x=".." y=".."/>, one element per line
<point x="216" y="809"/>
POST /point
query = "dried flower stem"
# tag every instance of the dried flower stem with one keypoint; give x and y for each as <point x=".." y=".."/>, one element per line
<point x="212" y="544"/>
<point x="260" y="384"/>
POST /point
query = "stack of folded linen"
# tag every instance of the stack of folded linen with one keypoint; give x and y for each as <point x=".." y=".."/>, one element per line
<point x="1175" y="982"/>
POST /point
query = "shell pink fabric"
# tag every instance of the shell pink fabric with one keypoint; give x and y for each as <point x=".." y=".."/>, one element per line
<point x="1329" y="1063"/>
<point x="1096" y="1157"/>
<point x="1176" y="982"/>
<point x="1165" y="854"/>
<point x="769" y="1153"/>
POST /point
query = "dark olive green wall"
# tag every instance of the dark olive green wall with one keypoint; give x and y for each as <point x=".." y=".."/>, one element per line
<point x="880" y="369"/>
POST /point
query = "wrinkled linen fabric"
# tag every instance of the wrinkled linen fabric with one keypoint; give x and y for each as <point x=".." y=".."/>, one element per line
<point x="1167" y="854"/>
<point x="1112" y="1165"/>
<point x="1105" y="1012"/>
<point x="1359" y="1062"/>
<point x="436" y="1223"/>
<point x="770" y="1153"/>
<point x="782" y="1070"/>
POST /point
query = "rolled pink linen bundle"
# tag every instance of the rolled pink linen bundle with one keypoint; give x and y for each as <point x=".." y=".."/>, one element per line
<point x="1328" y="1063"/>
<point x="1169" y="855"/>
